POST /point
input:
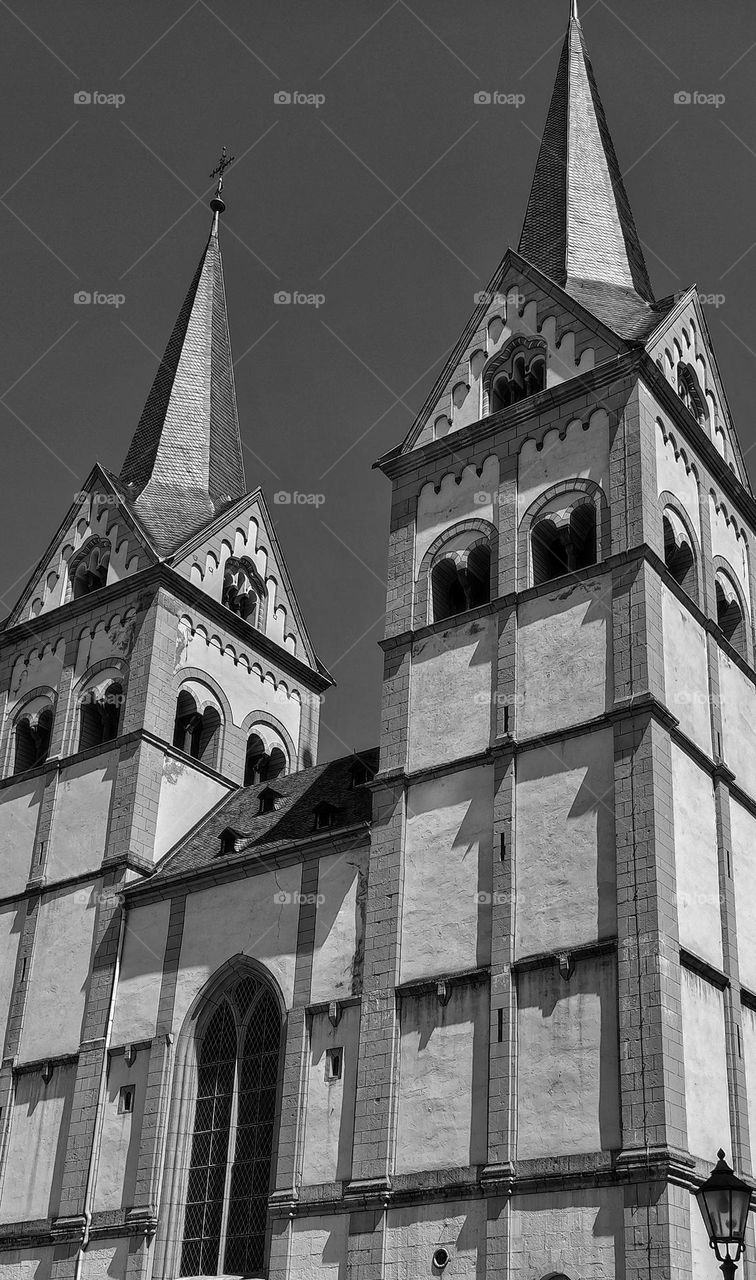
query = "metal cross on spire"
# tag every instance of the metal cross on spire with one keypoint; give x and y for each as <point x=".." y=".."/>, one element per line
<point x="220" y="169"/>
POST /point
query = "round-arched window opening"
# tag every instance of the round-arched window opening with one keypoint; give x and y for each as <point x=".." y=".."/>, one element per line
<point x="678" y="553"/>
<point x="197" y="733"/>
<point x="447" y="590"/>
<point x="263" y="763"/>
<point x="90" y="572"/>
<point x="524" y="377"/>
<point x="730" y="615"/>
<point x="32" y="736"/>
<point x="243" y="590"/>
<point x="461" y="581"/>
<point x="560" y="547"/>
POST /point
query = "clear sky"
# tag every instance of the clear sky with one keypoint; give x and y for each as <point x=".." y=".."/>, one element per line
<point x="393" y="194"/>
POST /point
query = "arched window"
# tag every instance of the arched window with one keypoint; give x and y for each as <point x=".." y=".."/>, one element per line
<point x="243" y="590"/>
<point x="233" y="1135"/>
<point x="265" y="760"/>
<point x="730" y="614"/>
<point x="461" y="580"/>
<point x="195" y="731"/>
<point x="32" y="735"/>
<point x="678" y="552"/>
<point x="99" y="715"/>
<point x="689" y="391"/>
<point x="89" y="570"/>
<point x="564" y="542"/>
<point x="517" y="377"/>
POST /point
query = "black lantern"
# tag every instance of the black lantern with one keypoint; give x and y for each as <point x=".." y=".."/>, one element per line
<point x="724" y="1201"/>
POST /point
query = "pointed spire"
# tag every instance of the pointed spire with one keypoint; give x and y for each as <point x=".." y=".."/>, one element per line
<point x="579" y="227"/>
<point x="184" y="464"/>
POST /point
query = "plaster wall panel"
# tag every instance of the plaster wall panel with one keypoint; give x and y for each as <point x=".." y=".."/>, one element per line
<point x="35" y="669"/>
<point x="106" y="1262"/>
<point x="113" y="638"/>
<point x="139" y="979"/>
<point x="186" y="795"/>
<point x="329" y="1120"/>
<point x="78" y="839"/>
<point x="580" y="454"/>
<point x="686" y="674"/>
<point x="727" y="542"/>
<point x="567" y="1054"/>
<point x="564" y="673"/>
<point x="446" y="920"/>
<point x="706" y="1096"/>
<point x="748" y="1023"/>
<point x="696" y="858"/>
<point x="453" y="500"/>
<point x="59" y="973"/>
<point x="36" y="1145"/>
<point x="701" y="1251"/>
<point x="19" y="814"/>
<point x="565" y="872"/>
<point x="743" y="832"/>
<point x="412" y="1234"/>
<point x="121" y="1129"/>
<point x="244" y="689"/>
<point x="245" y="917"/>
<point x="26" y="1264"/>
<point x="573" y="1233"/>
<point x="318" y="1247"/>
<point x="339" y="925"/>
<point x="451" y="695"/>
<point x="673" y="476"/>
<point x="442" y="1110"/>
<point x="11" y="924"/>
<point x="738" y="700"/>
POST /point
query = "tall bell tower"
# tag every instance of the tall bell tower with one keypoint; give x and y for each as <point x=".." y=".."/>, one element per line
<point x="156" y="661"/>
<point x="557" y="1030"/>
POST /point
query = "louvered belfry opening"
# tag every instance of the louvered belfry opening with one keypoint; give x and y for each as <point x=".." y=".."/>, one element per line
<point x="233" y="1136"/>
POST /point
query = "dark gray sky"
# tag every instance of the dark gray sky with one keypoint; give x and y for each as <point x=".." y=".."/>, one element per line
<point x="395" y="198"/>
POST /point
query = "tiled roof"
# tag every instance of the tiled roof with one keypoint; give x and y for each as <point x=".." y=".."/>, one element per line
<point x="184" y="464"/>
<point x="579" y="227"/>
<point x="291" y="822"/>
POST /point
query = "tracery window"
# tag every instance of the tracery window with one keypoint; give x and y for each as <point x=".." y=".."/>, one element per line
<point x="233" y="1135"/>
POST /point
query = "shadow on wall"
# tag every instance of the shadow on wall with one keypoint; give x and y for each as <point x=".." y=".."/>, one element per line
<point x="593" y="797"/>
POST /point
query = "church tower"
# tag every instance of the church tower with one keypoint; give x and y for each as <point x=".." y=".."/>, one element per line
<point x="557" y="1031"/>
<point x="156" y="662"/>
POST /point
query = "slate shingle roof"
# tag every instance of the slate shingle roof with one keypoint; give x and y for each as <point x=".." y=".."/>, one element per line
<point x="292" y="822"/>
<point x="184" y="464"/>
<point x="579" y="228"/>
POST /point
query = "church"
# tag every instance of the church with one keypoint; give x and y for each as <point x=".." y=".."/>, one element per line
<point x="480" y="1002"/>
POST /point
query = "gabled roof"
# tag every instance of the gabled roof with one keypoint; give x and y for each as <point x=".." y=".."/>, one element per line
<point x="579" y="228"/>
<point x="184" y="464"/>
<point x="256" y="834"/>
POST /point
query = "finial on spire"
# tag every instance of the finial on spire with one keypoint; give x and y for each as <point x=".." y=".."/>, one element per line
<point x="574" y="13"/>
<point x="216" y="204"/>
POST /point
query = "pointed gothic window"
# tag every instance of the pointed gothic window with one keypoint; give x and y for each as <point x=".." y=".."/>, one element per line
<point x="32" y="739"/>
<point x="197" y="732"/>
<point x="564" y="544"/>
<point x="89" y="569"/>
<point x="225" y="1217"/>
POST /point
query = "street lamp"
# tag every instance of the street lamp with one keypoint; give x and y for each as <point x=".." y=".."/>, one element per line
<point x="724" y="1201"/>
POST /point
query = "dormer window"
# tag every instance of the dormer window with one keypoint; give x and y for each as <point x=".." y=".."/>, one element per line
<point x="88" y="570"/>
<point x="243" y="590"/>
<point x="270" y="800"/>
<point x="326" y="816"/>
<point x="360" y="774"/>
<point x="228" y="839"/>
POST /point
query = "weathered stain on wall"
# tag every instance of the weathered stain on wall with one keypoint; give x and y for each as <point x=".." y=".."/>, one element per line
<point x="339" y="925"/>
